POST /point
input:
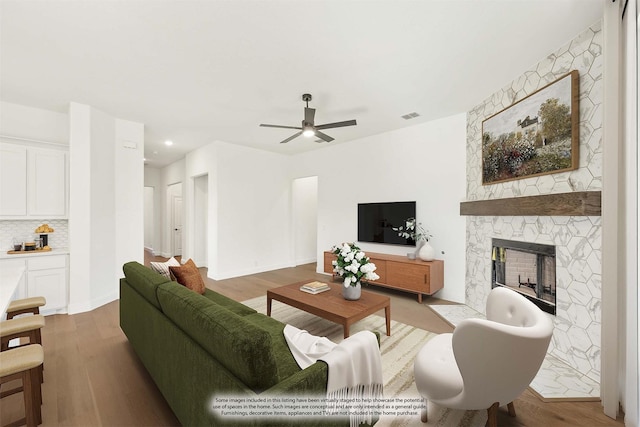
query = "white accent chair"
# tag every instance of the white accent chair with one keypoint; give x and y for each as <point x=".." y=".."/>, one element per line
<point x="484" y="364"/>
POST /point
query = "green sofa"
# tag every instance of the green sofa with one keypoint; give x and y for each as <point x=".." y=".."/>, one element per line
<point x="197" y="347"/>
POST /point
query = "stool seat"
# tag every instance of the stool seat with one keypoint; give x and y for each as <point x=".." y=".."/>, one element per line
<point x="21" y="324"/>
<point x="20" y="359"/>
<point x="26" y="304"/>
<point x="24" y="363"/>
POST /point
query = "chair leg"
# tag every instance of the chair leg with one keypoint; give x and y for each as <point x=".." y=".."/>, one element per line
<point x="492" y="415"/>
<point x="512" y="409"/>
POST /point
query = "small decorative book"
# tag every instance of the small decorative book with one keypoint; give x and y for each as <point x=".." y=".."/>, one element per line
<point x="315" y="287"/>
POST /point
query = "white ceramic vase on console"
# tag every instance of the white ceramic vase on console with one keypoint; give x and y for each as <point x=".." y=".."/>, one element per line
<point x="426" y="252"/>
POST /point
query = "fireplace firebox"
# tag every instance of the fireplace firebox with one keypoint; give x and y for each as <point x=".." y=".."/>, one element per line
<point x="527" y="268"/>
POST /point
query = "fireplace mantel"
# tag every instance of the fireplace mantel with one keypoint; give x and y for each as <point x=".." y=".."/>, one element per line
<point x="578" y="203"/>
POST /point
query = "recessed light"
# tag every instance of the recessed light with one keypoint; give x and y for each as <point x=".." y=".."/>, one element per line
<point x="168" y="143"/>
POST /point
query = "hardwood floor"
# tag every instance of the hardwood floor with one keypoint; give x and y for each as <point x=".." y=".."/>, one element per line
<point x="93" y="377"/>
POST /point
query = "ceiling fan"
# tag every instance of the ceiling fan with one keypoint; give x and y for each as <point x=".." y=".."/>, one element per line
<point x="308" y="127"/>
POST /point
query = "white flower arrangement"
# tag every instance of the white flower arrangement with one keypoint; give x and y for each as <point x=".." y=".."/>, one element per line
<point x="352" y="264"/>
<point x="413" y="230"/>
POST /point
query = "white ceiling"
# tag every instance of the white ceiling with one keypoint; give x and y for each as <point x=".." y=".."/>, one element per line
<point x="200" y="71"/>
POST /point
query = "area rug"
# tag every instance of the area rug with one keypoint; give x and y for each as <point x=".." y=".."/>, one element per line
<point x="398" y="353"/>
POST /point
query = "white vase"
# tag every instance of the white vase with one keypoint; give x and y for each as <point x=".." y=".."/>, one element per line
<point x="352" y="292"/>
<point x="427" y="253"/>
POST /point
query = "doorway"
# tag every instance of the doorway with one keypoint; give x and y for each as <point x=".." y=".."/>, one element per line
<point x="175" y="214"/>
<point x="200" y="220"/>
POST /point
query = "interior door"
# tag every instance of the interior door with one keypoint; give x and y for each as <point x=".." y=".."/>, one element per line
<point x="177" y="226"/>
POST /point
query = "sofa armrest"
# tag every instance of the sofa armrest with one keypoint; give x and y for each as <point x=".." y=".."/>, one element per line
<point x="312" y="380"/>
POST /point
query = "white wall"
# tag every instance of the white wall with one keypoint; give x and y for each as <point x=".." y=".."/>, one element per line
<point x="248" y="209"/>
<point x="33" y="123"/>
<point x="629" y="298"/>
<point x="198" y="163"/>
<point x="79" y="207"/>
<point x="425" y="163"/>
<point x="129" y="186"/>
<point x="304" y="206"/>
<point x="254" y="211"/>
<point x="149" y="222"/>
<point x="106" y="204"/>
<point x="200" y="220"/>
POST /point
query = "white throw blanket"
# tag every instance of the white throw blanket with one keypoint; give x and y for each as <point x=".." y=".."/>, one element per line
<point x="355" y="366"/>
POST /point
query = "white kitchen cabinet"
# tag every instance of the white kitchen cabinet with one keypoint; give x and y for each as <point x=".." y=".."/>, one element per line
<point x="33" y="182"/>
<point x="47" y="277"/>
<point x="47" y="180"/>
<point x="13" y="180"/>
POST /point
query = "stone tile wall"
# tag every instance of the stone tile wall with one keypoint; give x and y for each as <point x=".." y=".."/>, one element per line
<point x="576" y="338"/>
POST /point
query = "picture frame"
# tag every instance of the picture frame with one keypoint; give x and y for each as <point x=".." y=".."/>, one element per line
<point x="535" y="136"/>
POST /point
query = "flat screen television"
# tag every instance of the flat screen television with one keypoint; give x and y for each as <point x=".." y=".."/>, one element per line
<point x="377" y="220"/>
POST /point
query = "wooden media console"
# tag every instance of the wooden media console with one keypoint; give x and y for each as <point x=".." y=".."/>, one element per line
<point x="399" y="272"/>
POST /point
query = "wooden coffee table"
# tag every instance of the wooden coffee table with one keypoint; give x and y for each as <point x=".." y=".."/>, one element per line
<point x="331" y="305"/>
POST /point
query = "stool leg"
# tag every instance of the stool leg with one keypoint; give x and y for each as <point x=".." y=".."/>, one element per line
<point x="29" y="404"/>
<point x="37" y="395"/>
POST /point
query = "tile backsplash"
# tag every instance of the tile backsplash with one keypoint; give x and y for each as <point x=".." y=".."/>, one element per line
<point x="25" y="229"/>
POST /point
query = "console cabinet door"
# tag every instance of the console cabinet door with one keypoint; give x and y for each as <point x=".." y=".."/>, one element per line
<point x="47" y="183"/>
<point x="13" y="180"/>
<point x="381" y="270"/>
<point x="414" y="277"/>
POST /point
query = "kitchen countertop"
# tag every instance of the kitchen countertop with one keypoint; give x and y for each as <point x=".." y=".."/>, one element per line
<point x="30" y="254"/>
<point x="9" y="281"/>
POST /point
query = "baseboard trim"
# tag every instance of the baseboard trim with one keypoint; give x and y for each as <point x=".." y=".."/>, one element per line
<point x="306" y="261"/>
<point x="239" y="273"/>
<point x="83" y="307"/>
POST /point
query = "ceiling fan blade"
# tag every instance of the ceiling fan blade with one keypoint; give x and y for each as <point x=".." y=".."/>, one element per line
<point x="291" y="137"/>
<point x="280" y="127"/>
<point x="309" y="114"/>
<point x="323" y="136"/>
<point x="337" y="124"/>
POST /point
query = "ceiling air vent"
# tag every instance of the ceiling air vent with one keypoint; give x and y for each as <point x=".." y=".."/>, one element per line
<point x="410" y="116"/>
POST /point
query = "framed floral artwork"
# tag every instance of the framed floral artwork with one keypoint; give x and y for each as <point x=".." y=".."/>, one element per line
<point x="537" y="135"/>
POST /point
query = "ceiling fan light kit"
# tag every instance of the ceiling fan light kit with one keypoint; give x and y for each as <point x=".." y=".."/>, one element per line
<point x="308" y="127"/>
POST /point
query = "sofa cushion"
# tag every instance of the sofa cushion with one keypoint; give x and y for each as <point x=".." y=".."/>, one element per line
<point x="231" y="305"/>
<point x="163" y="267"/>
<point x="242" y="347"/>
<point x="189" y="276"/>
<point x="143" y="280"/>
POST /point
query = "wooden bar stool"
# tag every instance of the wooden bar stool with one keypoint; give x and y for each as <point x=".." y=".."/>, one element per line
<point x="23" y="363"/>
<point x="22" y="327"/>
<point x="26" y="305"/>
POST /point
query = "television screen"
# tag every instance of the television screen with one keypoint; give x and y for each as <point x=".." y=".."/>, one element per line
<point x="377" y="220"/>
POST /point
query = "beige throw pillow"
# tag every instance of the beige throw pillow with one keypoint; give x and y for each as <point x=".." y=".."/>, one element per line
<point x="163" y="267"/>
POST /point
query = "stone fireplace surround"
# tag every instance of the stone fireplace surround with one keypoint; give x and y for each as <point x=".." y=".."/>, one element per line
<point x="572" y="368"/>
